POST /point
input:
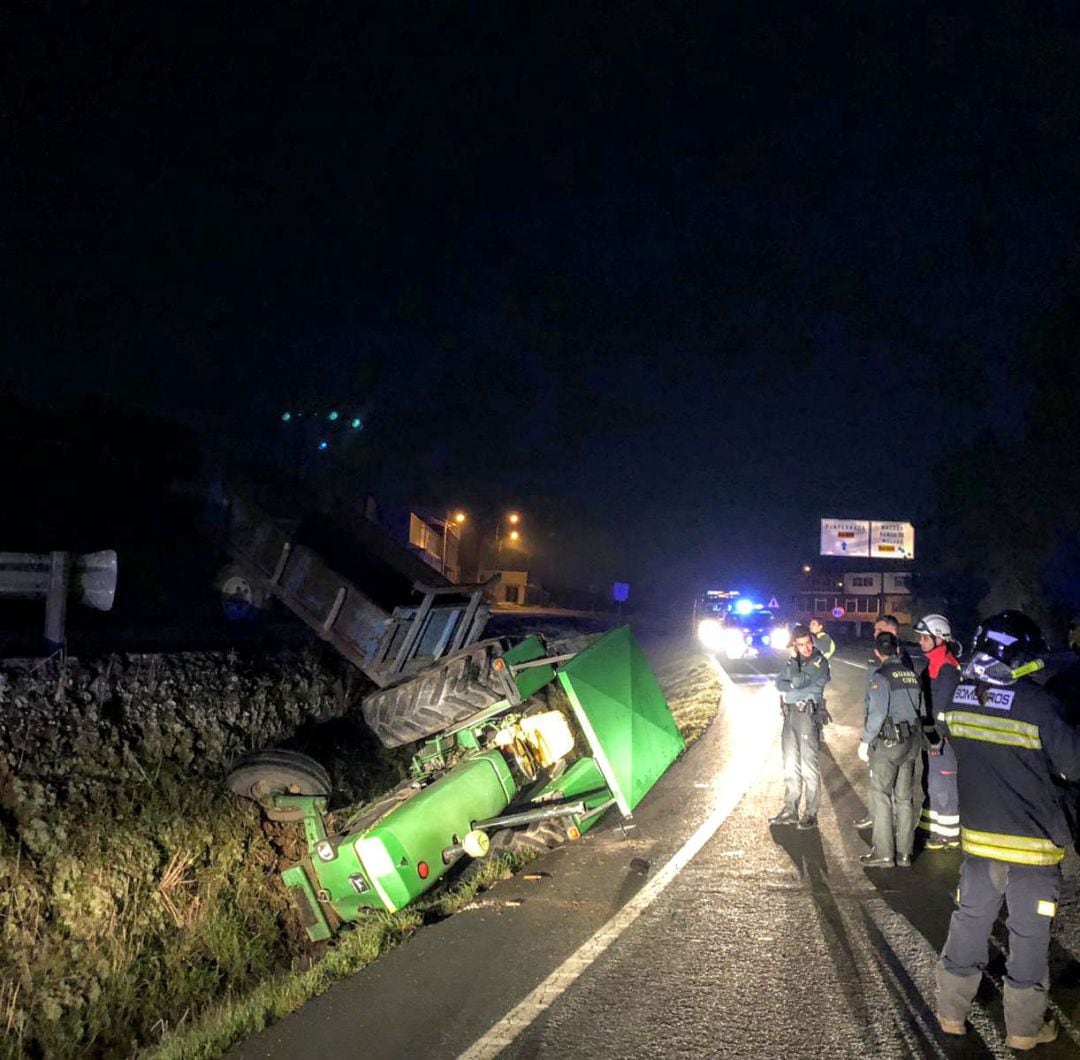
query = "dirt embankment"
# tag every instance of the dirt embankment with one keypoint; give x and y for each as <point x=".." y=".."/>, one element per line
<point x="133" y="887"/>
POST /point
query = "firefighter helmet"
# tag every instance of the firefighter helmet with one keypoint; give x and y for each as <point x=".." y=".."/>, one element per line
<point x="934" y="626"/>
<point x="1011" y="637"/>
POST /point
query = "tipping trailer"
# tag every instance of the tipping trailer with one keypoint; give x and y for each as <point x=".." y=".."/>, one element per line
<point x="424" y="654"/>
<point x="580" y="734"/>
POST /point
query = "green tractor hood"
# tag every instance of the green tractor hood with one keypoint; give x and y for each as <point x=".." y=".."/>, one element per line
<point x="626" y="720"/>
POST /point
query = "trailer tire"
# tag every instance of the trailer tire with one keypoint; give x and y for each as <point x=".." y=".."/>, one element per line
<point x="436" y="698"/>
<point x="243" y="597"/>
<point x="262" y="774"/>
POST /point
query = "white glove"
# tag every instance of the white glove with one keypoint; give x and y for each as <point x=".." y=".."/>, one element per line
<point x="864" y="752"/>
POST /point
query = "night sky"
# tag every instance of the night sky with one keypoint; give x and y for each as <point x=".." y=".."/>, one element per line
<point x="674" y="281"/>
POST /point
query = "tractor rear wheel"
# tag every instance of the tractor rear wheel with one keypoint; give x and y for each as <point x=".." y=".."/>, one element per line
<point x="261" y="775"/>
<point x="445" y="693"/>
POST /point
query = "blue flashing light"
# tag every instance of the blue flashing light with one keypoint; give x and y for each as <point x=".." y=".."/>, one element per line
<point x="324" y="445"/>
<point x="333" y="416"/>
<point x="744" y="607"/>
<point x="355" y="424"/>
<point x="286" y="416"/>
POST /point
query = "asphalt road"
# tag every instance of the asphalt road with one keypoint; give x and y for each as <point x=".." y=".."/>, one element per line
<point x="699" y="931"/>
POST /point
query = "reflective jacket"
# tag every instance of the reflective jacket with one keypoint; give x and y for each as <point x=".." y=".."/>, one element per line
<point x="803" y="678"/>
<point x="893" y="692"/>
<point x="825" y="644"/>
<point x="939" y="680"/>
<point x="1011" y="749"/>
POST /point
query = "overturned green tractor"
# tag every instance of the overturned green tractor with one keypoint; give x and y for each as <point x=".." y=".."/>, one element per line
<point x="577" y="735"/>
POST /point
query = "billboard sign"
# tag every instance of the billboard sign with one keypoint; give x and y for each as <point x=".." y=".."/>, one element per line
<point x="873" y="539"/>
<point x="892" y="540"/>
<point x="845" y="537"/>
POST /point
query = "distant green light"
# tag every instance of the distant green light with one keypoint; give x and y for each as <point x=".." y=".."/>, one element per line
<point x="333" y="416"/>
<point x="286" y="416"/>
<point x="355" y="423"/>
<point x="323" y="445"/>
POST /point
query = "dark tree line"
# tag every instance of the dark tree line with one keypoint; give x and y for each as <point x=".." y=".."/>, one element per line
<point x="1007" y="521"/>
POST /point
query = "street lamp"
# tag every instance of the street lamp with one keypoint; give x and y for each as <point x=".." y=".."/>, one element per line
<point x="514" y="519"/>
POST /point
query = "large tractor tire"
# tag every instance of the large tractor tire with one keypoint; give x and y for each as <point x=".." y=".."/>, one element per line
<point x="436" y="698"/>
<point x="263" y="774"/>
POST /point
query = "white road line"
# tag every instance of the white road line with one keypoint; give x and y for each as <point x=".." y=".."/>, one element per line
<point x="733" y="784"/>
<point x="848" y="662"/>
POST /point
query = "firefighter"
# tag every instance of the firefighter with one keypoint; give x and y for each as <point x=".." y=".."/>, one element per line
<point x="801" y="684"/>
<point x="822" y="641"/>
<point x="890" y="744"/>
<point x="1012" y="743"/>
<point x="940" y="817"/>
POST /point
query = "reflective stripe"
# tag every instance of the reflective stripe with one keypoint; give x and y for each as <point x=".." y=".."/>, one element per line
<point x="947" y="825"/>
<point x="1019" y="849"/>
<point x="1045" y="908"/>
<point x="989" y="729"/>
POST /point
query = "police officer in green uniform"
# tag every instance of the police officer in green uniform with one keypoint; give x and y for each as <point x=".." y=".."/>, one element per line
<point x="801" y="684"/>
<point x="882" y="624"/>
<point x="890" y="744"/>
<point x="822" y="641"/>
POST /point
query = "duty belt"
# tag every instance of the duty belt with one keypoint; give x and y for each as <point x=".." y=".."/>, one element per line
<point x="803" y="705"/>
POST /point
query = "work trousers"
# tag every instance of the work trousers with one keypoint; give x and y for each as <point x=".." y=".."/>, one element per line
<point x="892" y="778"/>
<point x="1031" y="893"/>
<point x="941" y="811"/>
<point x="800" y="742"/>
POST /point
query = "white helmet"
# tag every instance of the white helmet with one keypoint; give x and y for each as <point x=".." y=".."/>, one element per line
<point x="934" y="626"/>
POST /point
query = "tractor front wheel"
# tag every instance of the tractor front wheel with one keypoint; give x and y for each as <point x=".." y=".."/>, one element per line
<point x="261" y="775"/>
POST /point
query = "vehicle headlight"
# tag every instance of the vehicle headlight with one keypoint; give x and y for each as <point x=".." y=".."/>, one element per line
<point x="732" y="643"/>
<point x="710" y="634"/>
<point x="765" y="639"/>
<point x="780" y="637"/>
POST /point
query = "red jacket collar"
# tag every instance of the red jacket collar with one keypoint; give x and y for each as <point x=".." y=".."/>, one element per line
<point x="938" y="657"/>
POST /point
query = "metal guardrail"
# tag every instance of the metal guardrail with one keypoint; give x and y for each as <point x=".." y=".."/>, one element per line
<point x="91" y="578"/>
